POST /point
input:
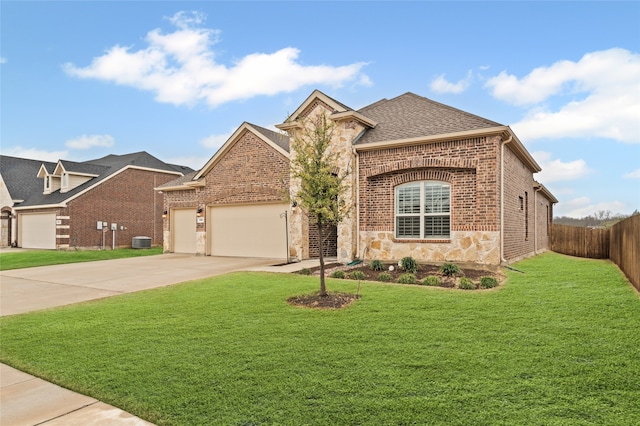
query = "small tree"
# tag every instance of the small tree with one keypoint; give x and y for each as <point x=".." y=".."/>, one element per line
<point x="322" y="185"/>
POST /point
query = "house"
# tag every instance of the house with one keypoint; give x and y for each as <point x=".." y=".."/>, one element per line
<point x="426" y="180"/>
<point x="100" y="203"/>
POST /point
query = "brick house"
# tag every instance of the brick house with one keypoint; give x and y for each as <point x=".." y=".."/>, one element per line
<point x="427" y="180"/>
<point x="101" y="203"/>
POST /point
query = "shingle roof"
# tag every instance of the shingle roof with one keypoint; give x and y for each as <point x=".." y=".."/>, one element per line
<point x="411" y="116"/>
<point x="278" y="138"/>
<point x="88" y="168"/>
<point x="20" y="175"/>
<point x="104" y="167"/>
<point x="179" y="181"/>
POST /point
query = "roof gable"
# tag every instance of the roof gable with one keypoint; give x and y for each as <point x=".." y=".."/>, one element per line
<point x="411" y="116"/>
<point x="339" y="111"/>
<point x="278" y="142"/>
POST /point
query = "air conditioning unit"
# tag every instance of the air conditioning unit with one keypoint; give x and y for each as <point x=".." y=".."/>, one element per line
<point x="141" y="242"/>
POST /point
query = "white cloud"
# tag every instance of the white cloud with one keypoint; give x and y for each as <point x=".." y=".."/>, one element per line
<point x="441" y="85"/>
<point x="554" y="170"/>
<point x="181" y="68"/>
<point x="89" y="141"/>
<point x="35" y="154"/>
<point x="215" y="141"/>
<point x="605" y="86"/>
<point x="583" y="206"/>
<point x="3" y="60"/>
<point x="632" y="175"/>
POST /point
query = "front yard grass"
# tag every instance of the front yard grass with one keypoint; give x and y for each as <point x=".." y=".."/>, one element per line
<point x="30" y="259"/>
<point x="557" y="345"/>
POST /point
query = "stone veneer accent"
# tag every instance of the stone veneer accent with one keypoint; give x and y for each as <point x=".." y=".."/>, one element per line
<point x="345" y="132"/>
<point x="464" y="246"/>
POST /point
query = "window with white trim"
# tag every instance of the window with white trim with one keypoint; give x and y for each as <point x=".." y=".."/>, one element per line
<point x="423" y="210"/>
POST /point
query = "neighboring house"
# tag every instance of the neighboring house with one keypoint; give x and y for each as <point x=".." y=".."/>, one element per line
<point x="18" y="181"/>
<point x="427" y="181"/>
<point x="101" y="203"/>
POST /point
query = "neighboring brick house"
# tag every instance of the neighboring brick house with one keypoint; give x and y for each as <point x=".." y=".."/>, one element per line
<point x="427" y="180"/>
<point x="101" y="203"/>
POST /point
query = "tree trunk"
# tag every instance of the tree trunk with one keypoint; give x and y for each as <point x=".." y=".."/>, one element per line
<point x="323" y="287"/>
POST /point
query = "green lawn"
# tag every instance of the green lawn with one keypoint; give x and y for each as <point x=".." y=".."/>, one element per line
<point x="557" y="345"/>
<point x="29" y="259"/>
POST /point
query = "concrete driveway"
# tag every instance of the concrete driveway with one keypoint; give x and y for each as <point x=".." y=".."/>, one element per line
<point x="31" y="289"/>
<point x="28" y="400"/>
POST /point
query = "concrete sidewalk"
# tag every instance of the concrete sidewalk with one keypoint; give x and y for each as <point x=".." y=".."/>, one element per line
<point x="27" y="400"/>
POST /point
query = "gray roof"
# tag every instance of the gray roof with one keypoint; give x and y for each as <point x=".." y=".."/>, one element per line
<point x="20" y="175"/>
<point x="411" y="116"/>
<point x="103" y="167"/>
<point x="278" y="138"/>
<point x="179" y="181"/>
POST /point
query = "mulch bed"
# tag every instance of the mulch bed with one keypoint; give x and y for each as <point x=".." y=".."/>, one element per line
<point x="341" y="300"/>
<point x="330" y="301"/>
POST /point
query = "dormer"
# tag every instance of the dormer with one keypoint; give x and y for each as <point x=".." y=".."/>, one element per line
<point x="51" y="182"/>
<point x="72" y="175"/>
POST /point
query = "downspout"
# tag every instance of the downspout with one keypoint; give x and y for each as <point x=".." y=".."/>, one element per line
<point x="357" y="200"/>
<point x="502" y="259"/>
<point x="535" y="219"/>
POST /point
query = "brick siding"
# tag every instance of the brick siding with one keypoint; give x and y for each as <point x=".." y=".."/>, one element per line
<point x="127" y="199"/>
<point x="250" y="172"/>
<point x="468" y="165"/>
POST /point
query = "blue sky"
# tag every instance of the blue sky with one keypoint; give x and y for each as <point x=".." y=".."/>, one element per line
<point x="80" y="80"/>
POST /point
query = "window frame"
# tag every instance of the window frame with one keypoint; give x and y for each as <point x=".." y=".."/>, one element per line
<point x="407" y="201"/>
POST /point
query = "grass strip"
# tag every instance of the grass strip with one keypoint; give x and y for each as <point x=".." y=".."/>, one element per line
<point x="33" y="258"/>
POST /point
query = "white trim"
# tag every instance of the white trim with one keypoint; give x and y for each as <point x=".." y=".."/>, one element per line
<point x="355" y="115"/>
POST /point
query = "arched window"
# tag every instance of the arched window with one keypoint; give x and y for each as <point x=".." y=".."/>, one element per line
<point x="423" y="210"/>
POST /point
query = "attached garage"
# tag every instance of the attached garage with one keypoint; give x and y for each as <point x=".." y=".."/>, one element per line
<point x="183" y="230"/>
<point x="257" y="230"/>
<point x="37" y="230"/>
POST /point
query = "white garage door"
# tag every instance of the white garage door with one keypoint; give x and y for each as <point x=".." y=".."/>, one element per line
<point x="183" y="230"/>
<point x="248" y="231"/>
<point x="38" y="230"/>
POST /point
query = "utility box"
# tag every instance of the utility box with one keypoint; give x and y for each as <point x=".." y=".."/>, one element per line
<point x="141" y="242"/>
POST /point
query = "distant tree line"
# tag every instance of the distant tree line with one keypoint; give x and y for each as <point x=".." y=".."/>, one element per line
<point x="601" y="218"/>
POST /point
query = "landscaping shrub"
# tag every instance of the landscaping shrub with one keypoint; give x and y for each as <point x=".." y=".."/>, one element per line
<point x="431" y="280"/>
<point x="305" y="271"/>
<point x="357" y="275"/>
<point x="449" y="269"/>
<point x="407" y="278"/>
<point x="466" y="284"/>
<point x="377" y="265"/>
<point x="338" y="274"/>
<point x="385" y="277"/>
<point x="488" y="282"/>
<point x="409" y="264"/>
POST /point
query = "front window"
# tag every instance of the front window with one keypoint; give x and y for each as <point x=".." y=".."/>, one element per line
<point x="423" y="210"/>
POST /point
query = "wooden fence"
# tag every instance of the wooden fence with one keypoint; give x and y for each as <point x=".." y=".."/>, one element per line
<point x="625" y="248"/>
<point x="620" y="243"/>
<point x="581" y="242"/>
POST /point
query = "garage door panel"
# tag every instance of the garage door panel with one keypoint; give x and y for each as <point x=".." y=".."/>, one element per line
<point x="38" y="231"/>
<point x="249" y="231"/>
<point x="183" y="230"/>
